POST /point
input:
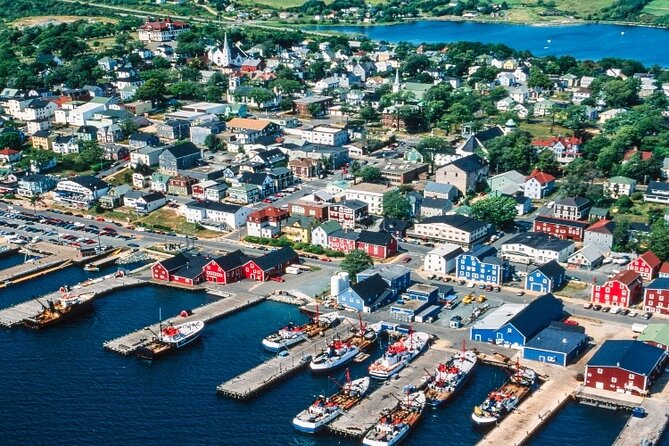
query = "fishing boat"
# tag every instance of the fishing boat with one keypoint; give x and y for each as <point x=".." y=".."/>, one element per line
<point x="293" y="334"/>
<point x="450" y="376"/>
<point x="64" y="308"/>
<point x="171" y="338"/>
<point x="398" y="355"/>
<point x="323" y="410"/>
<point x="339" y="352"/>
<point x="503" y="400"/>
<point x="91" y="268"/>
<point x="394" y="425"/>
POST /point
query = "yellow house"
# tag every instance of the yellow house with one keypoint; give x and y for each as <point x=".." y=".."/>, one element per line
<point x="298" y="228"/>
<point x="510" y="64"/>
<point x="42" y="140"/>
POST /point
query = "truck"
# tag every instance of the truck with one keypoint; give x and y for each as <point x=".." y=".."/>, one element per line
<point x="638" y="328"/>
<point x="293" y="270"/>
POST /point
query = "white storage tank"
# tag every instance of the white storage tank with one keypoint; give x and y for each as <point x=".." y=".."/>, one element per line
<point x="338" y="284"/>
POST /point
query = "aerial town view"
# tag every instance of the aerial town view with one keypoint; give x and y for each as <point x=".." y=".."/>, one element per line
<point x="320" y="223"/>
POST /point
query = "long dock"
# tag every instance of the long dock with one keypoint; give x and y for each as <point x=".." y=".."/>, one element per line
<point x="646" y="430"/>
<point x="14" y="315"/>
<point x="521" y="424"/>
<point x="30" y="270"/>
<point x="357" y="421"/>
<point x="129" y="343"/>
<point x="116" y="254"/>
<point x="250" y="383"/>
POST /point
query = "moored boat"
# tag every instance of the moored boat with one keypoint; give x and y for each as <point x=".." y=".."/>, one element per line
<point x="91" y="268"/>
<point x="293" y="334"/>
<point x="339" y="352"/>
<point x="323" y="410"/>
<point x="398" y="355"/>
<point x="506" y="398"/>
<point x="171" y="338"/>
<point x="449" y="377"/>
<point x="64" y="308"/>
<point x="394" y="426"/>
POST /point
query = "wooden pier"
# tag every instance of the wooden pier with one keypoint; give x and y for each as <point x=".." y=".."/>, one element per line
<point x="129" y="343"/>
<point x="646" y="430"/>
<point x="14" y="315"/>
<point x="250" y="383"/>
<point x="531" y="414"/>
<point x="104" y="261"/>
<point x="357" y="421"/>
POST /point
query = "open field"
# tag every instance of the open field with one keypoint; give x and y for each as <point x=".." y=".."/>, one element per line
<point x="543" y="129"/>
<point x="657" y="8"/>
<point x="56" y="20"/>
<point x="170" y="219"/>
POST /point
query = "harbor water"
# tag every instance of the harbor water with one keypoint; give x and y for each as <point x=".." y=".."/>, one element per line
<point x="63" y="388"/>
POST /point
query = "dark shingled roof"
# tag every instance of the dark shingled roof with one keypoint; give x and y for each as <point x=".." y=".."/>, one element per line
<point x="539" y="240"/>
<point x="537" y="315"/>
<point x="457" y="221"/>
<point x="633" y="356"/>
<point x="371" y="289"/>
<point x="214" y="206"/>
<point x="375" y="238"/>
<point x="181" y="150"/>
<point x="551" y="269"/>
<point x="275" y="258"/>
<point x="558" y="337"/>
<point x="232" y="260"/>
<point x="470" y="163"/>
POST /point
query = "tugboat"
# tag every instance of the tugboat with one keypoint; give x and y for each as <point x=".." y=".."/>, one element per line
<point x="450" y="377"/>
<point x="64" y="308"/>
<point x="398" y="355"/>
<point x="340" y="352"/>
<point x="324" y="410"/>
<point x="396" y="424"/>
<point x="171" y="338"/>
<point x="503" y="400"/>
<point x="293" y="334"/>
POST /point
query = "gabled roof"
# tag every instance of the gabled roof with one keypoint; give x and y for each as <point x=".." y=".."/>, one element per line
<point x="436" y="203"/>
<point x="330" y="226"/>
<point x="345" y="234"/>
<point x="275" y="258"/>
<point x="248" y="124"/>
<point x="440" y="188"/>
<point x="657" y="185"/>
<point x="658" y="333"/>
<point x="539" y="240"/>
<point x="537" y="315"/>
<point x="633" y="356"/>
<point x="651" y="259"/>
<point x="370" y="289"/>
<point x="561" y="221"/>
<point x="558" y="337"/>
<point x="193" y="267"/>
<point x="573" y="202"/>
<point x="375" y="238"/>
<point x="592" y="251"/>
<point x="622" y="180"/>
<point x="394" y="224"/>
<point x="174" y="263"/>
<point x="541" y="177"/>
<point x="457" y="221"/>
<point x="352" y="204"/>
<point x="470" y="163"/>
<point x="626" y="277"/>
<point x="214" y="206"/>
<point x="661" y="283"/>
<point x="181" y="150"/>
<point x="90" y="182"/>
<point x="551" y="269"/>
<point x="232" y="260"/>
<point x="602" y="227"/>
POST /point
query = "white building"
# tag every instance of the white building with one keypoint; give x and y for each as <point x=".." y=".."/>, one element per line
<point x="80" y="191"/>
<point x="441" y="260"/>
<point x="325" y="135"/>
<point x="372" y="194"/>
<point x="230" y="215"/>
<point x="537" y="248"/>
<point x="457" y="229"/>
<point x="147" y="156"/>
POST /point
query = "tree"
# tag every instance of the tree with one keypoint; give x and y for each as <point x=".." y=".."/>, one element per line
<point x="498" y="210"/>
<point x="511" y="152"/>
<point x="314" y="109"/>
<point x="621" y="93"/>
<point x="538" y="79"/>
<point x="211" y="142"/>
<point x="621" y="236"/>
<point x="368" y="114"/>
<point x="624" y="204"/>
<point x="396" y="205"/>
<point x="128" y="127"/>
<point x="370" y="174"/>
<point x="11" y="140"/>
<point x="546" y="162"/>
<point x="152" y="90"/>
<point x="659" y="240"/>
<point x="356" y="261"/>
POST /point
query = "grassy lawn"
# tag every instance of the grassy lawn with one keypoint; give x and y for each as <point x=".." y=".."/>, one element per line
<point x="58" y="19"/>
<point x="123" y="176"/>
<point x="639" y="213"/>
<point x="168" y="218"/>
<point x="657" y="7"/>
<point x="526" y="10"/>
<point x="543" y="129"/>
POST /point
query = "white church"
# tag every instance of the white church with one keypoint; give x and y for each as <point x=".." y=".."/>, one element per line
<point x="227" y="56"/>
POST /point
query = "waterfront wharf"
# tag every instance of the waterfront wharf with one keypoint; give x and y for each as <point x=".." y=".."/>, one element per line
<point x="362" y="417"/>
<point x="647" y="429"/>
<point x="556" y="390"/>
<point x="14" y="315"/>
<point x="107" y="260"/>
<point x="210" y="312"/>
<point x="252" y="382"/>
<point x="30" y="270"/>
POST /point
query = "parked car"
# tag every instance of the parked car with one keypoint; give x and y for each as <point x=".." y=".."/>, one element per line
<point x="647" y="315"/>
<point x="406" y="260"/>
<point x="587" y="305"/>
<point x="520" y="293"/>
<point x="625" y="311"/>
<point x="597" y="307"/>
<point x="606" y="309"/>
<point x="570" y="322"/>
<point x="325" y="259"/>
<point x="277" y="279"/>
<point x="615" y="309"/>
<point x="632" y="313"/>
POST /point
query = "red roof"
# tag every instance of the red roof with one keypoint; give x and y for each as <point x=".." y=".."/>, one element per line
<point x="164" y="24"/>
<point x="7" y="151"/>
<point x="550" y="142"/>
<point x="651" y="259"/>
<point x="626" y="277"/>
<point x="269" y="211"/>
<point x="645" y="156"/>
<point x="603" y="226"/>
<point x="664" y="269"/>
<point x="541" y="177"/>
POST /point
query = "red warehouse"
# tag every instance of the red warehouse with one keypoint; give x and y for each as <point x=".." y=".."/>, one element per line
<point x="348" y="212"/>
<point x="380" y="245"/>
<point x="624" y="366"/>
<point x="343" y="241"/>
<point x="647" y="265"/>
<point x="273" y="263"/>
<point x="226" y="269"/>
<point x="622" y="290"/>
<point x="656" y="296"/>
<point x="186" y="269"/>
<point x="564" y="229"/>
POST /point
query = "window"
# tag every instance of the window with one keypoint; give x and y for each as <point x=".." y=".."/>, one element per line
<point x="600" y="371"/>
<point x="614" y="379"/>
<point x="632" y="376"/>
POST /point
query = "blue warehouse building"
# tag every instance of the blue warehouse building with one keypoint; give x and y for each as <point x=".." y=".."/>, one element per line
<point x="367" y="295"/>
<point x="397" y="277"/>
<point x="419" y="300"/>
<point x="546" y="279"/>
<point x="515" y="324"/>
<point x="481" y="265"/>
<point x="558" y="344"/>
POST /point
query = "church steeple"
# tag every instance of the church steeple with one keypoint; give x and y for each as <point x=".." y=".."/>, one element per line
<point x="396" y="85"/>
<point x="227" y="52"/>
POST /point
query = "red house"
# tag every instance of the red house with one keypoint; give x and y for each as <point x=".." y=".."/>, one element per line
<point x="348" y="212"/>
<point x="664" y="270"/>
<point x="342" y="240"/>
<point x="656" y="296"/>
<point x="561" y="228"/>
<point x="647" y="265"/>
<point x="379" y="245"/>
<point x="273" y="263"/>
<point x="226" y="269"/>
<point x="186" y="269"/>
<point x="624" y="366"/>
<point x="622" y="290"/>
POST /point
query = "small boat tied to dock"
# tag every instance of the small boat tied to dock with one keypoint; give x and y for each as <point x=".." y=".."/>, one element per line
<point x="505" y="399"/>
<point x="171" y="338"/>
<point x="340" y="352"/>
<point x="324" y="410"/>
<point x="450" y="376"/>
<point x="399" y="354"/>
<point x="293" y="334"/>
<point x="66" y="307"/>
<point x="394" y="425"/>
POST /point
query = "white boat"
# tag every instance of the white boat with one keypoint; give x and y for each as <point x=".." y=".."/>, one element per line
<point x="398" y="355"/>
<point x="449" y="377"/>
<point x="182" y="334"/>
<point x="505" y="399"/>
<point x="336" y="354"/>
<point x="395" y="425"/>
<point x="289" y="335"/>
<point x="324" y="410"/>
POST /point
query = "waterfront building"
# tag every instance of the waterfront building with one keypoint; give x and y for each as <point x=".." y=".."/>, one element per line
<point x="558" y="344"/>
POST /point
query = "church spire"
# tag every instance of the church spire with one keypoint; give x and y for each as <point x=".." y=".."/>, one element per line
<point x="396" y="85"/>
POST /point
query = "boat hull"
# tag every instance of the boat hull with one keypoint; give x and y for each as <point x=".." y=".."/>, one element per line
<point x="275" y="346"/>
<point x="73" y="312"/>
<point x="312" y="427"/>
<point x="393" y="441"/>
<point x="388" y="373"/>
<point x="148" y="353"/>
<point x="331" y="365"/>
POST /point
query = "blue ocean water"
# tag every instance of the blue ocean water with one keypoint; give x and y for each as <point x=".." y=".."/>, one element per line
<point x="11" y="260"/>
<point x="61" y="386"/>
<point x="588" y="41"/>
